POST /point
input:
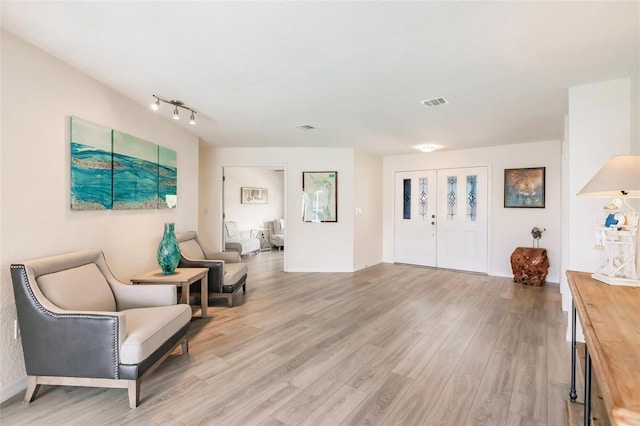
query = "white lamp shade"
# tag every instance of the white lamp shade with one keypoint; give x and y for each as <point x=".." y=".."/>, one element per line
<point x="619" y="177"/>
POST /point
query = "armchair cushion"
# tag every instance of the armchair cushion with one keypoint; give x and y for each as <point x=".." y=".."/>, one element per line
<point x="79" y="289"/>
<point x="233" y="273"/>
<point x="143" y="296"/>
<point x="232" y="229"/>
<point x="192" y="250"/>
<point x="148" y="329"/>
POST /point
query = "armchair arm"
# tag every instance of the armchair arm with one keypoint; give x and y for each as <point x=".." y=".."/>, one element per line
<point x="216" y="271"/>
<point x="143" y="296"/>
<point x="227" y="256"/>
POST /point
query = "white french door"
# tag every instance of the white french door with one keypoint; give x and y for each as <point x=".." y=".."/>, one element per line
<point x="441" y="218"/>
<point x="415" y="218"/>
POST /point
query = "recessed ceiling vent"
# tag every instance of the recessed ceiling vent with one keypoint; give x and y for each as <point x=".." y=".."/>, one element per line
<point x="305" y="127"/>
<point x="434" y="102"/>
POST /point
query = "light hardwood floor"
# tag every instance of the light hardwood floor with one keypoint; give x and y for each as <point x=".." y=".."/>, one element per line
<point x="391" y="344"/>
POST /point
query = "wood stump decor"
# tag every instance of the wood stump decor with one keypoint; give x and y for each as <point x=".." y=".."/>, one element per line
<point x="530" y="266"/>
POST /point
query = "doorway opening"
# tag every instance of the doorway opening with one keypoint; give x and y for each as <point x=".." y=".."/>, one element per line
<point x="253" y="201"/>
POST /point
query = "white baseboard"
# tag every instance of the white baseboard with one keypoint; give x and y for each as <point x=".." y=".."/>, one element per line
<point x="12" y="389"/>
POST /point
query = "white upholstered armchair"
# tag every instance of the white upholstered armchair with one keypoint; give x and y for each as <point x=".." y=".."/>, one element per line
<point x="233" y="241"/>
<point x="277" y="233"/>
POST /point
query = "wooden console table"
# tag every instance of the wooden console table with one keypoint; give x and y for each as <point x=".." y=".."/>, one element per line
<point x="610" y="319"/>
<point x="183" y="277"/>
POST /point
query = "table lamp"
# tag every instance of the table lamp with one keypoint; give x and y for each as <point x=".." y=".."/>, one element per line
<point x="619" y="178"/>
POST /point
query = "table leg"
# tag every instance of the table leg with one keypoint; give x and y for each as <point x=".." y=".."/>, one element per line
<point x="185" y="294"/>
<point x="204" y="295"/>
<point x="573" y="393"/>
<point x="587" y="387"/>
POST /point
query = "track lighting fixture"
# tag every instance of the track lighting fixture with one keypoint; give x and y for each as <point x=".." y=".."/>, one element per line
<point x="176" y="104"/>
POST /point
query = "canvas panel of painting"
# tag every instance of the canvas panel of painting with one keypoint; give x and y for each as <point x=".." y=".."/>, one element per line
<point x="135" y="172"/>
<point x="167" y="178"/>
<point x="91" y="178"/>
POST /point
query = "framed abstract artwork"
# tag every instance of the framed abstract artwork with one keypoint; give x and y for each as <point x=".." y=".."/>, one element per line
<point x="250" y="195"/>
<point x="524" y="188"/>
<point x="320" y="196"/>
<point x="113" y="170"/>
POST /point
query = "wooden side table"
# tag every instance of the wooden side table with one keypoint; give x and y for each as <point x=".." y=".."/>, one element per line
<point x="183" y="277"/>
<point x="530" y="265"/>
<point x="264" y="235"/>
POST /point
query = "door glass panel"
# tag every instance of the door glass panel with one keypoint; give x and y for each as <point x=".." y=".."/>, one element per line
<point x="472" y="197"/>
<point x="452" y="201"/>
<point x="423" y="186"/>
<point x="406" y="199"/>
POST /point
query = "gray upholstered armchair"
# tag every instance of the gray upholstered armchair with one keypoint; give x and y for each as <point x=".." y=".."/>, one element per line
<point x="80" y="326"/>
<point x="227" y="274"/>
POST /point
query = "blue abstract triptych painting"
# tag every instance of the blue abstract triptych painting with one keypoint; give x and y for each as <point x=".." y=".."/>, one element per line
<point x="113" y="170"/>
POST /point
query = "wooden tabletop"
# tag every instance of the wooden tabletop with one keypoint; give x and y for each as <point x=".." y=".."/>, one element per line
<point x="610" y="318"/>
<point x="181" y="276"/>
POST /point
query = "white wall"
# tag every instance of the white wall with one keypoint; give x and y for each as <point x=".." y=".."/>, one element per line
<point x="599" y="127"/>
<point x="249" y="216"/>
<point x="39" y="93"/>
<point x="315" y="247"/>
<point x="508" y="228"/>
<point x="367" y="197"/>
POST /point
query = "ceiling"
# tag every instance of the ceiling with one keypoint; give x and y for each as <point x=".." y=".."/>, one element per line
<point x="356" y="71"/>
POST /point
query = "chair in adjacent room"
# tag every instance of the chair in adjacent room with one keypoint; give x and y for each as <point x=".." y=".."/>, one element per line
<point x="277" y="233"/>
<point x="227" y="274"/>
<point x="233" y="241"/>
<point x="80" y="326"/>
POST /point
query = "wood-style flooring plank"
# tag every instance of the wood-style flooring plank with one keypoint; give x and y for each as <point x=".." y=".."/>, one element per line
<point x="529" y="398"/>
<point x="380" y="401"/>
<point x="414" y="407"/>
<point x="336" y="408"/>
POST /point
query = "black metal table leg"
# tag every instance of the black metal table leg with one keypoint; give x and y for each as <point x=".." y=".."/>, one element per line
<point x="573" y="393"/>
<point x="587" y="387"/>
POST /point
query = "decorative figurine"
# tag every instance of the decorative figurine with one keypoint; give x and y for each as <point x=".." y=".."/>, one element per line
<point x="536" y="233"/>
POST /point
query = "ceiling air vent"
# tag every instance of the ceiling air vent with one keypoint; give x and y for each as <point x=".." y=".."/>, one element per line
<point x="434" y="102"/>
<point x="305" y="127"/>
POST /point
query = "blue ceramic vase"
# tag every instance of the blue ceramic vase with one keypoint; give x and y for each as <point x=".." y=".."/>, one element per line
<point x="168" y="250"/>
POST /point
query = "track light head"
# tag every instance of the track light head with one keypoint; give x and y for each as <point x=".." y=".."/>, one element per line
<point x="192" y="119"/>
<point x="156" y="105"/>
<point x="175" y="114"/>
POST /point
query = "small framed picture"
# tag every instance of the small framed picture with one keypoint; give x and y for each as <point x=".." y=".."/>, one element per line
<point x="524" y="188"/>
<point x="250" y="195"/>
